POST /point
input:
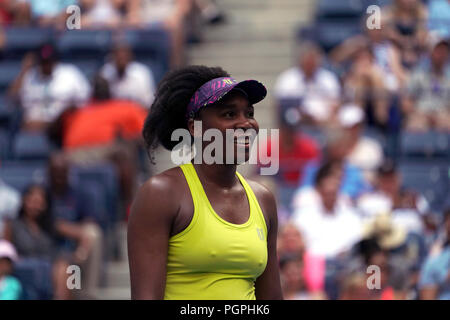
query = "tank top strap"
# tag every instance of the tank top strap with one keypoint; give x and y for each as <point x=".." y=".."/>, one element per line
<point x="254" y="204"/>
<point x="193" y="182"/>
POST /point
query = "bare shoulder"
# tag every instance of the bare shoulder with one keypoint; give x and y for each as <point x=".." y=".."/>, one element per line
<point x="159" y="195"/>
<point x="266" y="200"/>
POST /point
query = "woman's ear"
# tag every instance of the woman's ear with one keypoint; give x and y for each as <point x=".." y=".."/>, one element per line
<point x="190" y="126"/>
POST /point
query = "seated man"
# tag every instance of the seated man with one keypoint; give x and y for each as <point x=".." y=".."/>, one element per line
<point x="426" y="104"/>
<point x="326" y="218"/>
<point x="47" y="88"/>
<point x="129" y="79"/>
<point x="79" y="233"/>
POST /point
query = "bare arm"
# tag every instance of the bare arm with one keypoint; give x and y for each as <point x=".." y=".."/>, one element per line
<point x="149" y="227"/>
<point x="268" y="286"/>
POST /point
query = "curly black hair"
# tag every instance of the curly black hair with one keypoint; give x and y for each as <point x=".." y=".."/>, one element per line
<point x="173" y="94"/>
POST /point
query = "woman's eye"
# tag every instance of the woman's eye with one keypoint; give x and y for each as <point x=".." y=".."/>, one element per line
<point x="251" y="114"/>
<point x="229" y="114"/>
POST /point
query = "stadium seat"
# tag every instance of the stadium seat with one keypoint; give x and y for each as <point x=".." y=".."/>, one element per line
<point x="345" y="9"/>
<point x="31" y="146"/>
<point x="20" y="174"/>
<point x="429" y="144"/>
<point x="9" y="71"/>
<point x="20" y="40"/>
<point x="84" y="44"/>
<point x="89" y="67"/>
<point x="430" y="178"/>
<point x="4" y="144"/>
<point x="35" y="277"/>
<point x="328" y="34"/>
<point x="151" y="44"/>
<point x="102" y="181"/>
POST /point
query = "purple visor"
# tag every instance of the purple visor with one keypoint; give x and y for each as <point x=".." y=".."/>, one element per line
<point x="216" y="89"/>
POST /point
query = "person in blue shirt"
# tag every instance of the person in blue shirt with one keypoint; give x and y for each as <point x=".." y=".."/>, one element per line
<point x="336" y="150"/>
<point x="434" y="282"/>
<point x="10" y="287"/>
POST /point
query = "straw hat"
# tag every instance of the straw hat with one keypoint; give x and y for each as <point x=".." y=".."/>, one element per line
<point x="388" y="235"/>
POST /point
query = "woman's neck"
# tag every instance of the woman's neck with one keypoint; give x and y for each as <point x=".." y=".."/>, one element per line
<point x="222" y="175"/>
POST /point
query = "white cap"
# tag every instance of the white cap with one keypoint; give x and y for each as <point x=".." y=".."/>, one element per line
<point x="7" y="250"/>
<point x="435" y="38"/>
<point x="350" y="115"/>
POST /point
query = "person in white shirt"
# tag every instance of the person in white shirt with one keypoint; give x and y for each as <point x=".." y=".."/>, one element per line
<point x="129" y="79"/>
<point x="10" y="201"/>
<point x="366" y="153"/>
<point x="317" y="88"/>
<point x="327" y="220"/>
<point x="407" y="209"/>
<point x="47" y="88"/>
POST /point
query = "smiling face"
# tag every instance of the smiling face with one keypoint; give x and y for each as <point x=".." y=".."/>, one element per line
<point x="232" y="112"/>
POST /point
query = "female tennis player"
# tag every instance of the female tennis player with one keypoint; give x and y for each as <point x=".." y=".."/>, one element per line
<point x="202" y="231"/>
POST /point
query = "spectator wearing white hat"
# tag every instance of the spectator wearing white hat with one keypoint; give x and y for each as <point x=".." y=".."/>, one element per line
<point x="365" y="153"/>
<point x="10" y="287"/>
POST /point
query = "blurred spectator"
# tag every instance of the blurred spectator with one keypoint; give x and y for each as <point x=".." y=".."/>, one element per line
<point x="47" y="88"/>
<point x="172" y="15"/>
<point x="9" y="204"/>
<point x="435" y="275"/>
<point x="329" y="224"/>
<point x="129" y="79"/>
<point x="108" y="13"/>
<point x="210" y="12"/>
<point x="365" y="86"/>
<point x="32" y="235"/>
<point x="80" y="237"/>
<point x="407" y="207"/>
<point x="405" y="249"/>
<point x="365" y="153"/>
<point x="386" y="56"/>
<point x="290" y="244"/>
<point x="295" y="149"/>
<point x="406" y="22"/>
<point x="439" y="17"/>
<point x="318" y="89"/>
<point x="354" y="287"/>
<point x="337" y="149"/>
<point x="106" y="130"/>
<point x="426" y="103"/>
<point x="10" y="287"/>
<point x="15" y="12"/>
<point x="292" y="279"/>
<point x="49" y="13"/>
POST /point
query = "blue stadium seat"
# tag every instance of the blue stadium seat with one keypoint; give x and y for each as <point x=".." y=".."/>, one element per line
<point x="20" y="174"/>
<point x="84" y="43"/>
<point x="328" y="34"/>
<point x="5" y="111"/>
<point x="150" y="44"/>
<point x="429" y="144"/>
<point x="102" y="181"/>
<point x="35" y="276"/>
<point x="4" y="144"/>
<point x="156" y="66"/>
<point x="345" y="9"/>
<point x="31" y="146"/>
<point x="9" y="71"/>
<point x="430" y="178"/>
<point x="20" y="40"/>
<point x="89" y="67"/>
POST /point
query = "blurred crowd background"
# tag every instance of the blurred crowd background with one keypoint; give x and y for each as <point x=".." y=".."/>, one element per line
<point x="364" y="119"/>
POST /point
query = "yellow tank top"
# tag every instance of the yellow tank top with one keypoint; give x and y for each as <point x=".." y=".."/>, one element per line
<point x="213" y="259"/>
